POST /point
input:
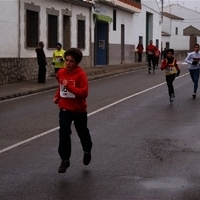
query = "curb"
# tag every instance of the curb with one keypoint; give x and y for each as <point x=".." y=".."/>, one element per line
<point x="91" y="76"/>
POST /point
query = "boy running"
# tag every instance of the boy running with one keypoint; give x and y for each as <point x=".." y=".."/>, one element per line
<point x="71" y="99"/>
<point x="193" y="60"/>
<point x="169" y="64"/>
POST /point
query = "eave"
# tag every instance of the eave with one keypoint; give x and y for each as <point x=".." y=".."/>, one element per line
<point x="128" y="5"/>
<point x="85" y="3"/>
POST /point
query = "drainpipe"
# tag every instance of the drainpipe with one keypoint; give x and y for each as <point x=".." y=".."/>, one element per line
<point x="19" y="11"/>
<point x="90" y="32"/>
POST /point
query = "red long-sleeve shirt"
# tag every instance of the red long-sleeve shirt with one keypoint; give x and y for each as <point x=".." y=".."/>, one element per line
<point x="151" y="49"/>
<point x="73" y="97"/>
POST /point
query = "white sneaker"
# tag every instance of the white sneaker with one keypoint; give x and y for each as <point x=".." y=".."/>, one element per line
<point x="172" y="97"/>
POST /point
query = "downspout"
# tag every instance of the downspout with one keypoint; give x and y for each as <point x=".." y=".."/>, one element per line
<point x="19" y="11"/>
<point x="90" y="32"/>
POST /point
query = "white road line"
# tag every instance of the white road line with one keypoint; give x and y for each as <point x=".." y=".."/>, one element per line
<point x="90" y="114"/>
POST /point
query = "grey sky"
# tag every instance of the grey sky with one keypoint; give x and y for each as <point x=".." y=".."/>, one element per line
<point x="192" y="4"/>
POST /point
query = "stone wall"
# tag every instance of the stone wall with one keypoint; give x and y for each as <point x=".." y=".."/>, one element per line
<point x="14" y="70"/>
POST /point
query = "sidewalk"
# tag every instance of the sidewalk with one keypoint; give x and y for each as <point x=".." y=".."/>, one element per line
<point x="8" y="91"/>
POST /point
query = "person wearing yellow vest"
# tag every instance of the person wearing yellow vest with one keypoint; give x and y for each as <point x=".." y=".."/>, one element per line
<point x="58" y="58"/>
<point x="169" y="64"/>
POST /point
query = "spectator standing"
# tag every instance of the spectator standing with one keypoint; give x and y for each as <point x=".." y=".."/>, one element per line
<point x="41" y="60"/>
<point x="164" y="53"/>
<point x="58" y="58"/>
<point x="157" y="56"/>
<point x="140" y="49"/>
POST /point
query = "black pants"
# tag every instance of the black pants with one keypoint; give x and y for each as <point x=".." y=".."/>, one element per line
<point x="139" y="57"/>
<point x="41" y="74"/>
<point x="80" y="123"/>
<point x="156" y="61"/>
<point x="169" y="80"/>
<point x="151" y="60"/>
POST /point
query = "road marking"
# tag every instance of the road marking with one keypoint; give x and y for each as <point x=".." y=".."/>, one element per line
<point x="90" y="114"/>
<point x="36" y="93"/>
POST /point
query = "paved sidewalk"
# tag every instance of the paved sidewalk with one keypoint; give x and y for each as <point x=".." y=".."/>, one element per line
<point x="8" y="91"/>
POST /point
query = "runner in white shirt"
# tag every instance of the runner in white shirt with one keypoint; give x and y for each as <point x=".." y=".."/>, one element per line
<point x="193" y="59"/>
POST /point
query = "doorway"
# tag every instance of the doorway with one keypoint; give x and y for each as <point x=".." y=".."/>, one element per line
<point x="66" y="32"/>
<point x="101" y="35"/>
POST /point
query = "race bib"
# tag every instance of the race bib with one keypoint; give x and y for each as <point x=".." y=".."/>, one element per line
<point x="64" y="93"/>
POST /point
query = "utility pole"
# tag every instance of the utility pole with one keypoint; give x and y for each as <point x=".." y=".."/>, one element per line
<point x="162" y="10"/>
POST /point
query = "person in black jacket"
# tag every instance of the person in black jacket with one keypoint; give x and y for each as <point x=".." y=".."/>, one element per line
<point x="41" y="59"/>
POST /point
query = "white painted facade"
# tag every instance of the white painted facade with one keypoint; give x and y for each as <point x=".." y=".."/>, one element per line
<point x="9" y="33"/>
<point x="178" y="41"/>
<point x="12" y="23"/>
<point x="134" y="21"/>
<point x="13" y="30"/>
<point x="140" y="22"/>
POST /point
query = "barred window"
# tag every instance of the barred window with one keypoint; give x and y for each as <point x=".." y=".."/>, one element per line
<point x="81" y="34"/>
<point x="52" y="31"/>
<point x="32" y="27"/>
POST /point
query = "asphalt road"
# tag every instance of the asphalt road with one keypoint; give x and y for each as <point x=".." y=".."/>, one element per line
<point x="144" y="148"/>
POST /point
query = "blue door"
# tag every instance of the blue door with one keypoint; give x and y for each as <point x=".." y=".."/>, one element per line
<point x="101" y="44"/>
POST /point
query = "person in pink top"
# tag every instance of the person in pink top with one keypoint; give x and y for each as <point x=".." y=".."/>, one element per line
<point x="140" y="49"/>
<point x="157" y="56"/>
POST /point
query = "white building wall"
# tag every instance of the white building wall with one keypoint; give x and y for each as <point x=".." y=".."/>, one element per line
<point x="191" y="17"/>
<point x="166" y="25"/>
<point x="9" y="28"/>
<point x="125" y="18"/>
<point x="165" y="39"/>
<point x="43" y="25"/>
<point x="140" y="22"/>
<point x="77" y="10"/>
<point x="179" y="42"/>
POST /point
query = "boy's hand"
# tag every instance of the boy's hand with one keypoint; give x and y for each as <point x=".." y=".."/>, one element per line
<point x="64" y="82"/>
<point x="56" y="100"/>
<point x="194" y="62"/>
<point x="178" y="73"/>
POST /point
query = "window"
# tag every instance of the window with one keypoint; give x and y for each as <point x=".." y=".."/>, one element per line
<point x="176" y="31"/>
<point x="52" y="31"/>
<point x="157" y="43"/>
<point x="141" y="39"/>
<point x="167" y="45"/>
<point x="81" y="34"/>
<point x="32" y="28"/>
<point x="114" y="20"/>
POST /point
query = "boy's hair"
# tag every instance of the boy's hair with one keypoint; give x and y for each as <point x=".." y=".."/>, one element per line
<point x="58" y="44"/>
<point x="75" y="53"/>
<point x="196" y="45"/>
<point x="170" y="50"/>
